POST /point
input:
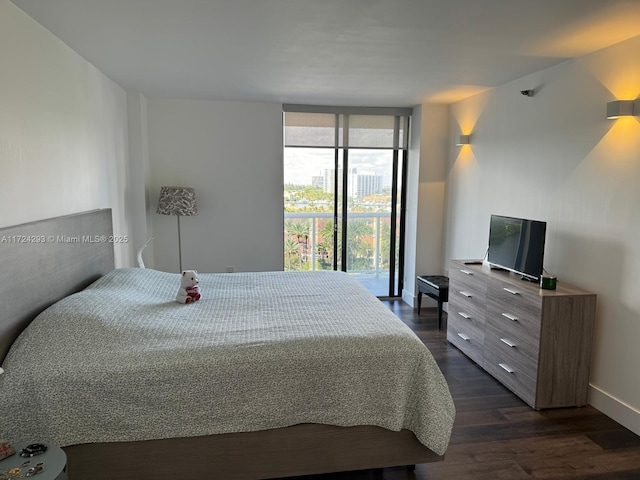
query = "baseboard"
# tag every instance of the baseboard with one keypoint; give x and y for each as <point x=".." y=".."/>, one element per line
<point x="409" y="298"/>
<point x="427" y="302"/>
<point x="615" y="408"/>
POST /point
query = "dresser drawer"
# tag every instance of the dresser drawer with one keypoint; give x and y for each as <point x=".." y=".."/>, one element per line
<point x="465" y="333"/>
<point x="520" y="355"/>
<point x="468" y="303"/>
<point x="514" y="298"/>
<point x="511" y="377"/>
<point x="464" y="276"/>
<point x="513" y="321"/>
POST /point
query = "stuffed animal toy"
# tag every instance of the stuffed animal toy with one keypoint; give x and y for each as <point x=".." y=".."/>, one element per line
<point x="189" y="290"/>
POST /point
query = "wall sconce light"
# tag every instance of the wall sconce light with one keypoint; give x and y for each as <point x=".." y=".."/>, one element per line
<point x="464" y="140"/>
<point x="623" y="108"/>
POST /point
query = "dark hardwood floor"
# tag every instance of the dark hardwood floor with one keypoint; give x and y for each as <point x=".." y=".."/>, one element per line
<point x="497" y="436"/>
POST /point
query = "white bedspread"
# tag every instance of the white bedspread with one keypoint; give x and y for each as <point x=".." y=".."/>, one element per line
<point x="122" y="361"/>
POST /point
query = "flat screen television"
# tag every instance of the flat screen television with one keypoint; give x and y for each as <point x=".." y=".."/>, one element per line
<point x="517" y="245"/>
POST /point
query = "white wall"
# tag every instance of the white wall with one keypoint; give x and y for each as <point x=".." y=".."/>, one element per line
<point x="142" y="205"/>
<point x="411" y="215"/>
<point x="425" y="197"/>
<point x="231" y="154"/>
<point x="555" y="157"/>
<point x="63" y="131"/>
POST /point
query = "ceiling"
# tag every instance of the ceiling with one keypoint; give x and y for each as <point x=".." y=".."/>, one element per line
<point x="330" y="52"/>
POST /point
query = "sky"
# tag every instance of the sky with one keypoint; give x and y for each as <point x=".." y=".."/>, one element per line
<point x="300" y="164"/>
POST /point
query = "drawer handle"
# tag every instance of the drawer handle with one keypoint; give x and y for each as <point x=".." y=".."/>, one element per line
<point x="464" y="315"/>
<point x="510" y="317"/>
<point x="506" y="367"/>
<point x="512" y="292"/>
<point x="508" y="342"/>
<point x="466" y="294"/>
<point x="464" y="337"/>
<point x="466" y="272"/>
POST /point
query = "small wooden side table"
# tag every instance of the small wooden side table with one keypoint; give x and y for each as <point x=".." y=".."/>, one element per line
<point x="436" y="287"/>
<point x="54" y="461"/>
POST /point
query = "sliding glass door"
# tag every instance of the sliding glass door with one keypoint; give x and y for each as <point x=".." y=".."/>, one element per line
<point x="343" y="195"/>
<point x="309" y="202"/>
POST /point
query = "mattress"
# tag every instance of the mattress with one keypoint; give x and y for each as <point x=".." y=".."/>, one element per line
<point x="123" y="361"/>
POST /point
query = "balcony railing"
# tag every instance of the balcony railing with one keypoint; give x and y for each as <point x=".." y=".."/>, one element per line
<point x="374" y="239"/>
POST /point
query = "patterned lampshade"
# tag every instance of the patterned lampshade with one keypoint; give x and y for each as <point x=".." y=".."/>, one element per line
<point x="177" y="201"/>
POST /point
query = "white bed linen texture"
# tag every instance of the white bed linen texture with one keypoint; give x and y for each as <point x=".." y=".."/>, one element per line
<point x="123" y="361"/>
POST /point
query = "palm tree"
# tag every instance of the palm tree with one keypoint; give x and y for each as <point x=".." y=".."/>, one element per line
<point x="385" y="243"/>
<point x="300" y="230"/>
<point x="326" y="233"/>
<point x="289" y="227"/>
<point x="358" y="229"/>
<point x="290" y="248"/>
<point x="359" y="250"/>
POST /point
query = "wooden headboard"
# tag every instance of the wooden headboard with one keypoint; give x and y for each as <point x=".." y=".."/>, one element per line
<point x="44" y="261"/>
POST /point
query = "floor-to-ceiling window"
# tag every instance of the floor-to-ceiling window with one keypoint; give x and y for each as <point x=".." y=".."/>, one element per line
<point x="344" y="172"/>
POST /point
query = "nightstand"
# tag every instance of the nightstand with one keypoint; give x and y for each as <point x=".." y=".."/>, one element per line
<point x="54" y="460"/>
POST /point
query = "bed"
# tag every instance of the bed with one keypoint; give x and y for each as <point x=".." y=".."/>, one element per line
<point x="269" y="375"/>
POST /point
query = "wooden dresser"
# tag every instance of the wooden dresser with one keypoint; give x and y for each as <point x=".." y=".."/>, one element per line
<point x="535" y="342"/>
